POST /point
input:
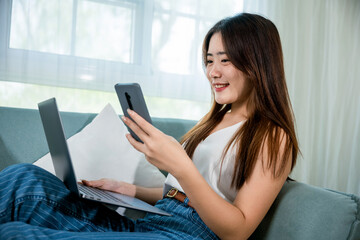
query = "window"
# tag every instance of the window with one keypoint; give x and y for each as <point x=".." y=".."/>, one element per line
<point x="93" y="44"/>
<point x="103" y="30"/>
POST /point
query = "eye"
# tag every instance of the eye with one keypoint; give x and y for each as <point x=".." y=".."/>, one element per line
<point x="225" y="60"/>
<point x="209" y="61"/>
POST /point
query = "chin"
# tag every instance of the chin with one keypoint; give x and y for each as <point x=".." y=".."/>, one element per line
<point x="221" y="101"/>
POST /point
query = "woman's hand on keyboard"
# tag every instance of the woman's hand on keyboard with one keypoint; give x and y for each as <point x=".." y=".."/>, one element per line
<point x="112" y="185"/>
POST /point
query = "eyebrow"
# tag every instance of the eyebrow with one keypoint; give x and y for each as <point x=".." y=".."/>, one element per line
<point x="218" y="53"/>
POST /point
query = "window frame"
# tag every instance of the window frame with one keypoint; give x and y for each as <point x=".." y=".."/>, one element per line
<point x="58" y="70"/>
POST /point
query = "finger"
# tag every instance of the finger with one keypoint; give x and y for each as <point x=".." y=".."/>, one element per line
<point x="137" y="145"/>
<point x="135" y="128"/>
<point x="96" y="183"/>
<point x="85" y="182"/>
<point x="141" y="122"/>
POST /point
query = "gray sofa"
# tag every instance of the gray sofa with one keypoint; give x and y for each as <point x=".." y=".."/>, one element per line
<point x="301" y="211"/>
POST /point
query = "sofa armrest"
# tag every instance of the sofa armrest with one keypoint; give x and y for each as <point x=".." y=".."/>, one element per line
<point x="302" y="211"/>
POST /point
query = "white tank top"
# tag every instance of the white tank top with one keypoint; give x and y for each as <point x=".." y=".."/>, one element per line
<point x="207" y="159"/>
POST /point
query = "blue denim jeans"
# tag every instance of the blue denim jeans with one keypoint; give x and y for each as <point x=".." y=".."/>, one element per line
<point x="35" y="204"/>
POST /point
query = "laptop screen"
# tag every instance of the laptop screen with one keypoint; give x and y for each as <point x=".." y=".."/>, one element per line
<point x="56" y="140"/>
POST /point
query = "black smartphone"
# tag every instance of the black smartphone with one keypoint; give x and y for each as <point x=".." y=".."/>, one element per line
<point x="131" y="97"/>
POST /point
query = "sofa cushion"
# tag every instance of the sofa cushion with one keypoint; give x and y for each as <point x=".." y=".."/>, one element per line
<point x="302" y="211"/>
<point x="101" y="150"/>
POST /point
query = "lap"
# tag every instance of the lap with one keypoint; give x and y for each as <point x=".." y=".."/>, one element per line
<point x="38" y="202"/>
<point x="32" y="195"/>
<point x="184" y="223"/>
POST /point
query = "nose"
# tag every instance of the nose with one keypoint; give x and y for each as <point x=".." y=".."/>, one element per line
<point x="214" y="71"/>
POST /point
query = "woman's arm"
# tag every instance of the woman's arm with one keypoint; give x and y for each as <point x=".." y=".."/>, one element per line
<point x="229" y="221"/>
<point x="149" y="195"/>
<point x="239" y="219"/>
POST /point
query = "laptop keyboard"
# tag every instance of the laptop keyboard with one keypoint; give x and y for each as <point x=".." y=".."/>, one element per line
<point x="97" y="193"/>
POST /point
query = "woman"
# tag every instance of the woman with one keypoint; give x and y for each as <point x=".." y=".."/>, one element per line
<point x="231" y="165"/>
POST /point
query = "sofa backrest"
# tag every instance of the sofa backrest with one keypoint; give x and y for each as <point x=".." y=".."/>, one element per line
<point x="22" y="138"/>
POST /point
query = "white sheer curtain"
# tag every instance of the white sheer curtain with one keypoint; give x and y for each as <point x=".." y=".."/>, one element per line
<point x="64" y="48"/>
<point x="94" y="44"/>
<point x="321" y="43"/>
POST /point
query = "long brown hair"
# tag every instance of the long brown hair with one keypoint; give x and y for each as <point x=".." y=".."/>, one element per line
<point x="252" y="44"/>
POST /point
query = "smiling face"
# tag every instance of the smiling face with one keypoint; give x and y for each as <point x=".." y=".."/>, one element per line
<point x="229" y="84"/>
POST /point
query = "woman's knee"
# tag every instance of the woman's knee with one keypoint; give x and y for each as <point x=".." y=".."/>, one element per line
<point x="28" y="176"/>
<point x="27" y="169"/>
<point x="20" y="169"/>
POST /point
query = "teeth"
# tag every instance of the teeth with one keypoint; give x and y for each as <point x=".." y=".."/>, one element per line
<point x="220" y="85"/>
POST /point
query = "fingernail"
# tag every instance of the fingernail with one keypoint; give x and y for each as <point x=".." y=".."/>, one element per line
<point x="123" y="118"/>
<point x="130" y="111"/>
<point x="128" y="136"/>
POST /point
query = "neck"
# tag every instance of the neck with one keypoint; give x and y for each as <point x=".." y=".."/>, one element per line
<point x="240" y="111"/>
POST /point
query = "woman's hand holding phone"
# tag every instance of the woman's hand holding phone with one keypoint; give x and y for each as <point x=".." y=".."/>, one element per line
<point x="161" y="150"/>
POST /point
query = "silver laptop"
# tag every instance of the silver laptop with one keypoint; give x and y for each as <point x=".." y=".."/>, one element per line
<point x="64" y="170"/>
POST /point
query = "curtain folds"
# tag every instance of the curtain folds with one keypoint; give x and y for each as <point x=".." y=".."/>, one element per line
<point x="321" y="44"/>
